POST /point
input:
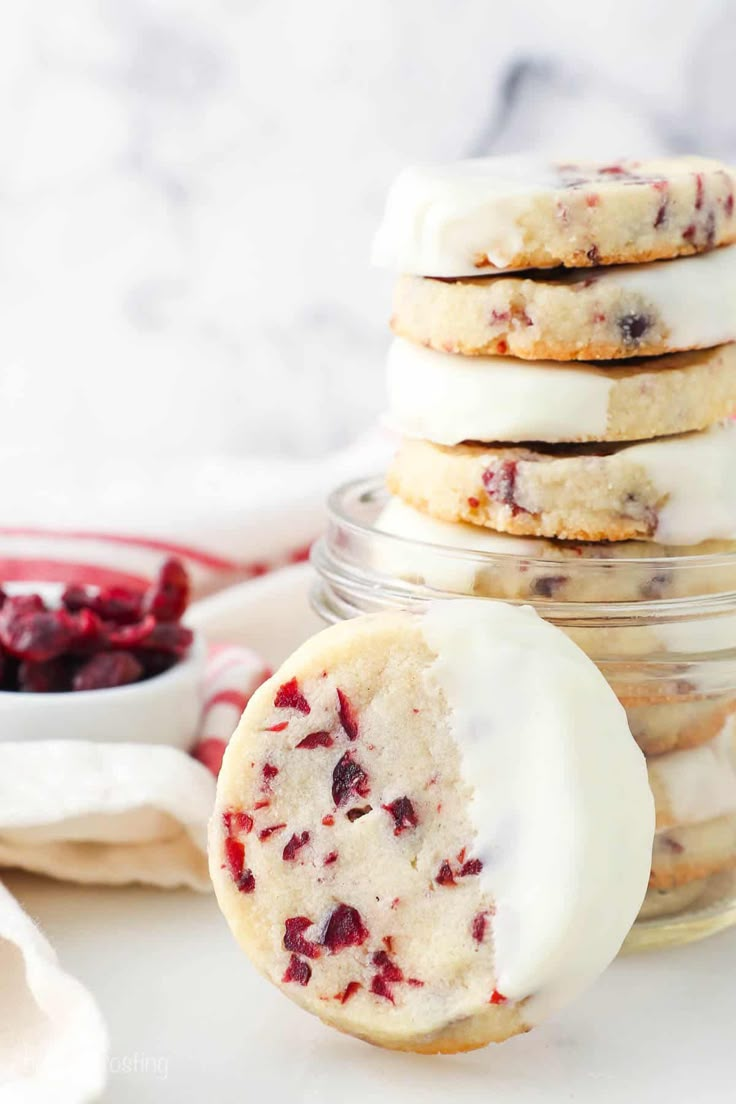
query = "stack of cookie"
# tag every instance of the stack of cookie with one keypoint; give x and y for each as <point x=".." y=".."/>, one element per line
<point x="563" y="376"/>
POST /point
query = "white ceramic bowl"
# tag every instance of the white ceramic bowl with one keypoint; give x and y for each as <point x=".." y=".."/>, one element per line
<point x="165" y="709"/>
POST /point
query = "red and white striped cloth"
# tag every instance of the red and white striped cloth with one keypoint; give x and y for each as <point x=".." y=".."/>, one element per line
<point x="232" y="675"/>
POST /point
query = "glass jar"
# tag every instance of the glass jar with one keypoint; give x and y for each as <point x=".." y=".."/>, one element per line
<point x="661" y="629"/>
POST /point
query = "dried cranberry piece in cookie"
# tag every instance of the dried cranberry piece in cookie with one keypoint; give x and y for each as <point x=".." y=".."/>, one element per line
<point x="168" y="596"/>
<point x="294" y="940"/>
<point x="500" y="483"/>
<point x="234" y="851"/>
<point x="316" y="740"/>
<point x="107" y="670"/>
<point x="289" y="696"/>
<point x="403" y="814"/>
<point x="348" y="779"/>
<point x="298" y="970"/>
<point x="345" y="928"/>
<point x="294" y="845"/>
<point x="347" y="715"/>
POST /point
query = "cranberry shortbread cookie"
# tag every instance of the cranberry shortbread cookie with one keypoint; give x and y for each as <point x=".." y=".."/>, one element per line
<point x="449" y="399"/>
<point x="499" y="565"/>
<point x="374" y="846"/>
<point x="495" y="213"/>
<point x="619" y="311"/>
<point x="675" y="490"/>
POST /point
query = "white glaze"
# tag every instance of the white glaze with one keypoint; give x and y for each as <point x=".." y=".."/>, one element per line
<point x="695" y="297"/>
<point x="436" y="214"/>
<point x="408" y="557"/>
<point x="561" y="804"/>
<point x="447" y="399"/>
<point x="696" y="474"/>
<point x="700" y="783"/>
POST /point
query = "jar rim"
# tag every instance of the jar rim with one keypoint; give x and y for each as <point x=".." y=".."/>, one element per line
<point x="347" y="556"/>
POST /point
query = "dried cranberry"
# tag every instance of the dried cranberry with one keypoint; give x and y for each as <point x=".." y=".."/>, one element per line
<point x="266" y="833"/>
<point x="168" y="595"/>
<point x="381" y="987"/>
<point x="315" y="740"/>
<point x="294" y="939"/>
<point x="87" y="630"/>
<point x="289" y="696"/>
<point x="389" y="970"/>
<point x="169" y="636"/>
<point x="235" y="862"/>
<point x="295" y="844"/>
<point x="348" y="778"/>
<point x="269" y="772"/>
<point x="500" y="483"/>
<point x="632" y="327"/>
<point x="479" y="927"/>
<point x="672" y="845"/>
<point x="35" y="634"/>
<point x="116" y="603"/>
<point x="546" y="586"/>
<point x="349" y="991"/>
<point x="131" y="636"/>
<point x="403" y="814"/>
<point x="155" y="663"/>
<point x="445" y="876"/>
<point x="345" y="928"/>
<point x="497" y="998"/>
<point x="106" y="670"/>
<point x="298" y="970"/>
<point x="236" y="821"/>
<point x="52" y="677"/>
<point x="471" y="868"/>
<point x="348" y="718"/>
<point x="330" y="859"/>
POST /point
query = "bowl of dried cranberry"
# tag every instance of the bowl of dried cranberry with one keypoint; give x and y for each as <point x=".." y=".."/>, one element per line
<point x="108" y="664"/>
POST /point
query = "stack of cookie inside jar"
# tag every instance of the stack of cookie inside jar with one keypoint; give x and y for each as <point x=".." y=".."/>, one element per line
<point x="563" y="375"/>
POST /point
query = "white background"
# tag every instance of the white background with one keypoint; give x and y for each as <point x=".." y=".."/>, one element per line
<point x="188" y="189"/>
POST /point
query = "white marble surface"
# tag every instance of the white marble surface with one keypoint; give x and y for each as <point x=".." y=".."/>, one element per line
<point x="188" y="189"/>
<point x="190" y="1020"/>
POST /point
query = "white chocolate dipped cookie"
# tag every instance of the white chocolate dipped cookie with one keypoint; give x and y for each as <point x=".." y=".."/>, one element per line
<point x="374" y="847"/>
<point x="676" y="490"/>
<point x="611" y="312"/>
<point x="496" y="213"/>
<point x="448" y="399"/>
<point x="695" y="801"/>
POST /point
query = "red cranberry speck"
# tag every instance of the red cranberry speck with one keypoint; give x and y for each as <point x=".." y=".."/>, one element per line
<point x="294" y="845"/>
<point x="381" y="988"/>
<point x="289" y="696"/>
<point x="445" y="876"/>
<point x="497" y="998"/>
<point x="348" y="778"/>
<point x="349" y="991"/>
<point x="403" y="814"/>
<point x="345" y="928"/>
<point x="107" y="670"/>
<point x="480" y="923"/>
<point x="316" y="740"/>
<point x="294" y="939"/>
<point x="347" y="715"/>
<point x="168" y="596"/>
<point x="470" y="868"/>
<point x="298" y="970"/>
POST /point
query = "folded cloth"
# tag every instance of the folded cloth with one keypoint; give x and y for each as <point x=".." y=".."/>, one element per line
<point x="226" y="518"/>
<point x="120" y="813"/>
<point x="53" y="1043"/>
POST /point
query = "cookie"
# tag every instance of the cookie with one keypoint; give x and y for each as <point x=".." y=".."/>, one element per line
<point x="449" y="399"/>
<point x="575" y="314"/>
<point x="495" y="213"/>
<point x="385" y="867"/>
<point x="534" y="569"/>
<point x="667" y="902"/>
<point x="692" y="851"/>
<point x="676" y="490"/>
<point x="669" y="724"/>
<point x="696" y="785"/>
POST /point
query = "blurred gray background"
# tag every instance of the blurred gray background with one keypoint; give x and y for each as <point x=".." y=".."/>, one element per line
<point x="188" y="190"/>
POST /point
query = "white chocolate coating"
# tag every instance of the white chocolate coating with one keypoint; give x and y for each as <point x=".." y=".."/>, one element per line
<point x="697" y="474"/>
<point x="548" y="755"/>
<point x="699" y="783"/>
<point x="448" y="399"/>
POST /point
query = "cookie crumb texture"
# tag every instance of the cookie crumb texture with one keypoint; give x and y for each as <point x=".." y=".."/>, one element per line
<point x="342" y="850"/>
<point x="499" y="213"/>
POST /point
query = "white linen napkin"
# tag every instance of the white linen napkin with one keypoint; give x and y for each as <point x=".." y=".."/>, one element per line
<point x="53" y="1042"/>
